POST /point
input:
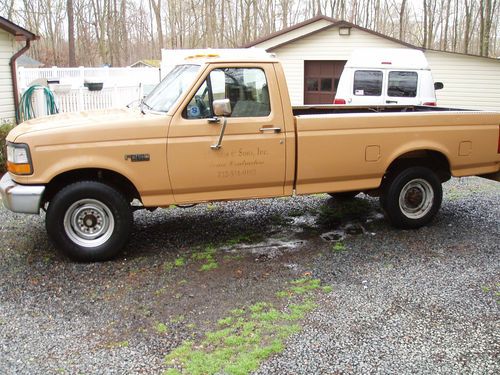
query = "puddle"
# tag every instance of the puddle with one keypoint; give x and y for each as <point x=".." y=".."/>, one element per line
<point x="266" y="250"/>
<point x="334" y="236"/>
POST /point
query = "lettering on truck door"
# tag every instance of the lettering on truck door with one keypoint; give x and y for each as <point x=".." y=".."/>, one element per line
<point x="251" y="159"/>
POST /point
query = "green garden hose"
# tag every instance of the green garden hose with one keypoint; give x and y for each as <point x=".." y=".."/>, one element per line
<point x="26" y="112"/>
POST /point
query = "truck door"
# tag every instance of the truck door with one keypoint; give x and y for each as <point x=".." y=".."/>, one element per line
<point x="402" y="88"/>
<point x="251" y="159"/>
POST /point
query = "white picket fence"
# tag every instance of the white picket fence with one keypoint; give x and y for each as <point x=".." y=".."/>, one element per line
<point x="110" y="77"/>
<point x="121" y="86"/>
<point x="84" y="100"/>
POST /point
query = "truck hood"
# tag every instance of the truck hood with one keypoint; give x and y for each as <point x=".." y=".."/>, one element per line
<point x="89" y="120"/>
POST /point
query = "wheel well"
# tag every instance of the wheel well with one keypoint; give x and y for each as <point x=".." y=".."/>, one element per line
<point x="433" y="160"/>
<point x="113" y="179"/>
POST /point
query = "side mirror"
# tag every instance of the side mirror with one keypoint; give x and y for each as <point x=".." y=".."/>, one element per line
<point x="438" y="85"/>
<point x="222" y="107"/>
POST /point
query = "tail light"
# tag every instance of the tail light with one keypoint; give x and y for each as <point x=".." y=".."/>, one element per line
<point x="431" y="104"/>
<point x="339" y="101"/>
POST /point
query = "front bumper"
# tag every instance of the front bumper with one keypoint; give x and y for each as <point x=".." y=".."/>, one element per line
<point x="23" y="199"/>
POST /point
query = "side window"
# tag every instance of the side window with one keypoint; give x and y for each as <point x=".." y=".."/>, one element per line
<point x="199" y="106"/>
<point x="367" y="83"/>
<point x="402" y="84"/>
<point x="246" y="89"/>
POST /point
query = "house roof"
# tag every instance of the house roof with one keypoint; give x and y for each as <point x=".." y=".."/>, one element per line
<point x="16" y="30"/>
<point x="28" y="62"/>
<point x="151" y="63"/>
<point x="333" y="23"/>
<point x="337" y="23"/>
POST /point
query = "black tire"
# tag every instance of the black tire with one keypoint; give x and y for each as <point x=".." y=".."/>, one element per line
<point x="88" y="209"/>
<point x="411" y="198"/>
<point x="344" y="196"/>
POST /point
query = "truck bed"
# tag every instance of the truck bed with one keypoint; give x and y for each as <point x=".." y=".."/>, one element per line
<point x="336" y="109"/>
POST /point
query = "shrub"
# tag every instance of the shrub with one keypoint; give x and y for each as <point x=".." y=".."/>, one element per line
<point x="4" y="130"/>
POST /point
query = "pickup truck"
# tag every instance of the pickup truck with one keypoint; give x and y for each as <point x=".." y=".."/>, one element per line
<point x="222" y="128"/>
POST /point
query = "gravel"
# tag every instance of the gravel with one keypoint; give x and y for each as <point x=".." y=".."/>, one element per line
<point x="424" y="301"/>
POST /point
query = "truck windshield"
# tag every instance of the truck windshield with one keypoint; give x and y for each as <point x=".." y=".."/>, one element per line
<point x="170" y="89"/>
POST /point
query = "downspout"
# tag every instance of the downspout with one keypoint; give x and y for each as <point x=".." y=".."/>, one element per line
<point x="13" y="73"/>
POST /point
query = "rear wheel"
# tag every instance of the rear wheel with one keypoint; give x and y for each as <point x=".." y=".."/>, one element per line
<point x="411" y="198"/>
<point x="89" y="221"/>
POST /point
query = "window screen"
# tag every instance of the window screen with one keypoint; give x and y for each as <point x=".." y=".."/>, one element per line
<point x="367" y="83"/>
<point x="402" y="84"/>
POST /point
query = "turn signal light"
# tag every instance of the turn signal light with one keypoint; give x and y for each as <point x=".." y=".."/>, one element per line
<point x="339" y="101"/>
<point x="19" y="169"/>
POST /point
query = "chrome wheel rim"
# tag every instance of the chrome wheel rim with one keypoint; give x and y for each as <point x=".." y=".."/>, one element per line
<point x="416" y="198"/>
<point x="89" y="223"/>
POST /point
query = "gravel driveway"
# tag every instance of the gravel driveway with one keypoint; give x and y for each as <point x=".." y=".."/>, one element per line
<point x="424" y="301"/>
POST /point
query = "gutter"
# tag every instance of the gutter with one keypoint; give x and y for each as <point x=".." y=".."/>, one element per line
<point x="13" y="72"/>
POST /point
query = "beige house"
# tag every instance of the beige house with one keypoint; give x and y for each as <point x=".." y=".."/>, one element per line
<point x="319" y="47"/>
<point x="14" y="41"/>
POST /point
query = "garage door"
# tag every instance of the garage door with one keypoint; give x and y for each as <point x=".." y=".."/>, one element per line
<point x="321" y="79"/>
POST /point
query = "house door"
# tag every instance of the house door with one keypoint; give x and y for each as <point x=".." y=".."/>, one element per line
<point x="321" y="79"/>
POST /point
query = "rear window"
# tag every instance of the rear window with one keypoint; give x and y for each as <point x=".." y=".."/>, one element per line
<point x="402" y="84"/>
<point x="367" y="83"/>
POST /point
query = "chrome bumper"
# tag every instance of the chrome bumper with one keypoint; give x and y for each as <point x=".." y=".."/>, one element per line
<point x="23" y="199"/>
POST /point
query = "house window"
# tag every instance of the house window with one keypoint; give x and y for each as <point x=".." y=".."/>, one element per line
<point x="402" y="84"/>
<point x="367" y="83"/>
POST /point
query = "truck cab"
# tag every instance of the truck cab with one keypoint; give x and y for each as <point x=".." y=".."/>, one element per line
<point x="387" y="76"/>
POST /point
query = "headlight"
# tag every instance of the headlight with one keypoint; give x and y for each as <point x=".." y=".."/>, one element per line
<point x="19" y="159"/>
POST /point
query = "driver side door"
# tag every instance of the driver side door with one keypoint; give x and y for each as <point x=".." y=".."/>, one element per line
<point x="251" y="160"/>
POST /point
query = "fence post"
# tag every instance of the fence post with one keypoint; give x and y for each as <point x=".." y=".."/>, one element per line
<point x="80" y="99"/>
<point x="81" y="76"/>
<point x="53" y="72"/>
<point x="21" y="78"/>
<point x="114" y="99"/>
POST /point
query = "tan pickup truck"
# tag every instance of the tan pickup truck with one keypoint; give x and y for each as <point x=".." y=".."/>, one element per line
<point x="221" y="128"/>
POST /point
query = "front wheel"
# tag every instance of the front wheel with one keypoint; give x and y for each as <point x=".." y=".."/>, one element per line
<point x="412" y="197"/>
<point x="89" y="221"/>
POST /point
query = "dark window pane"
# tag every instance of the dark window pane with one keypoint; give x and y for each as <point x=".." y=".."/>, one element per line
<point x="367" y="83"/>
<point x="326" y="84"/>
<point x="312" y="84"/>
<point x="336" y="83"/>
<point x="402" y="84"/>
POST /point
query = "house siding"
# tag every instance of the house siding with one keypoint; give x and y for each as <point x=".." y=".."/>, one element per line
<point x="322" y="45"/>
<point x="469" y="81"/>
<point x="7" y="111"/>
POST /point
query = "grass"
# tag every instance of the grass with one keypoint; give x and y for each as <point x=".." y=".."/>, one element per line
<point x="118" y="344"/>
<point x="338" y="247"/>
<point x="161" y="328"/>
<point x="208" y="257"/>
<point x="246" y="337"/>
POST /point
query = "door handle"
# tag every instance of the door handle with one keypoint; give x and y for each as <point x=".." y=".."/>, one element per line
<point x="270" y="129"/>
<point x="213" y="120"/>
<point x="391" y="101"/>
